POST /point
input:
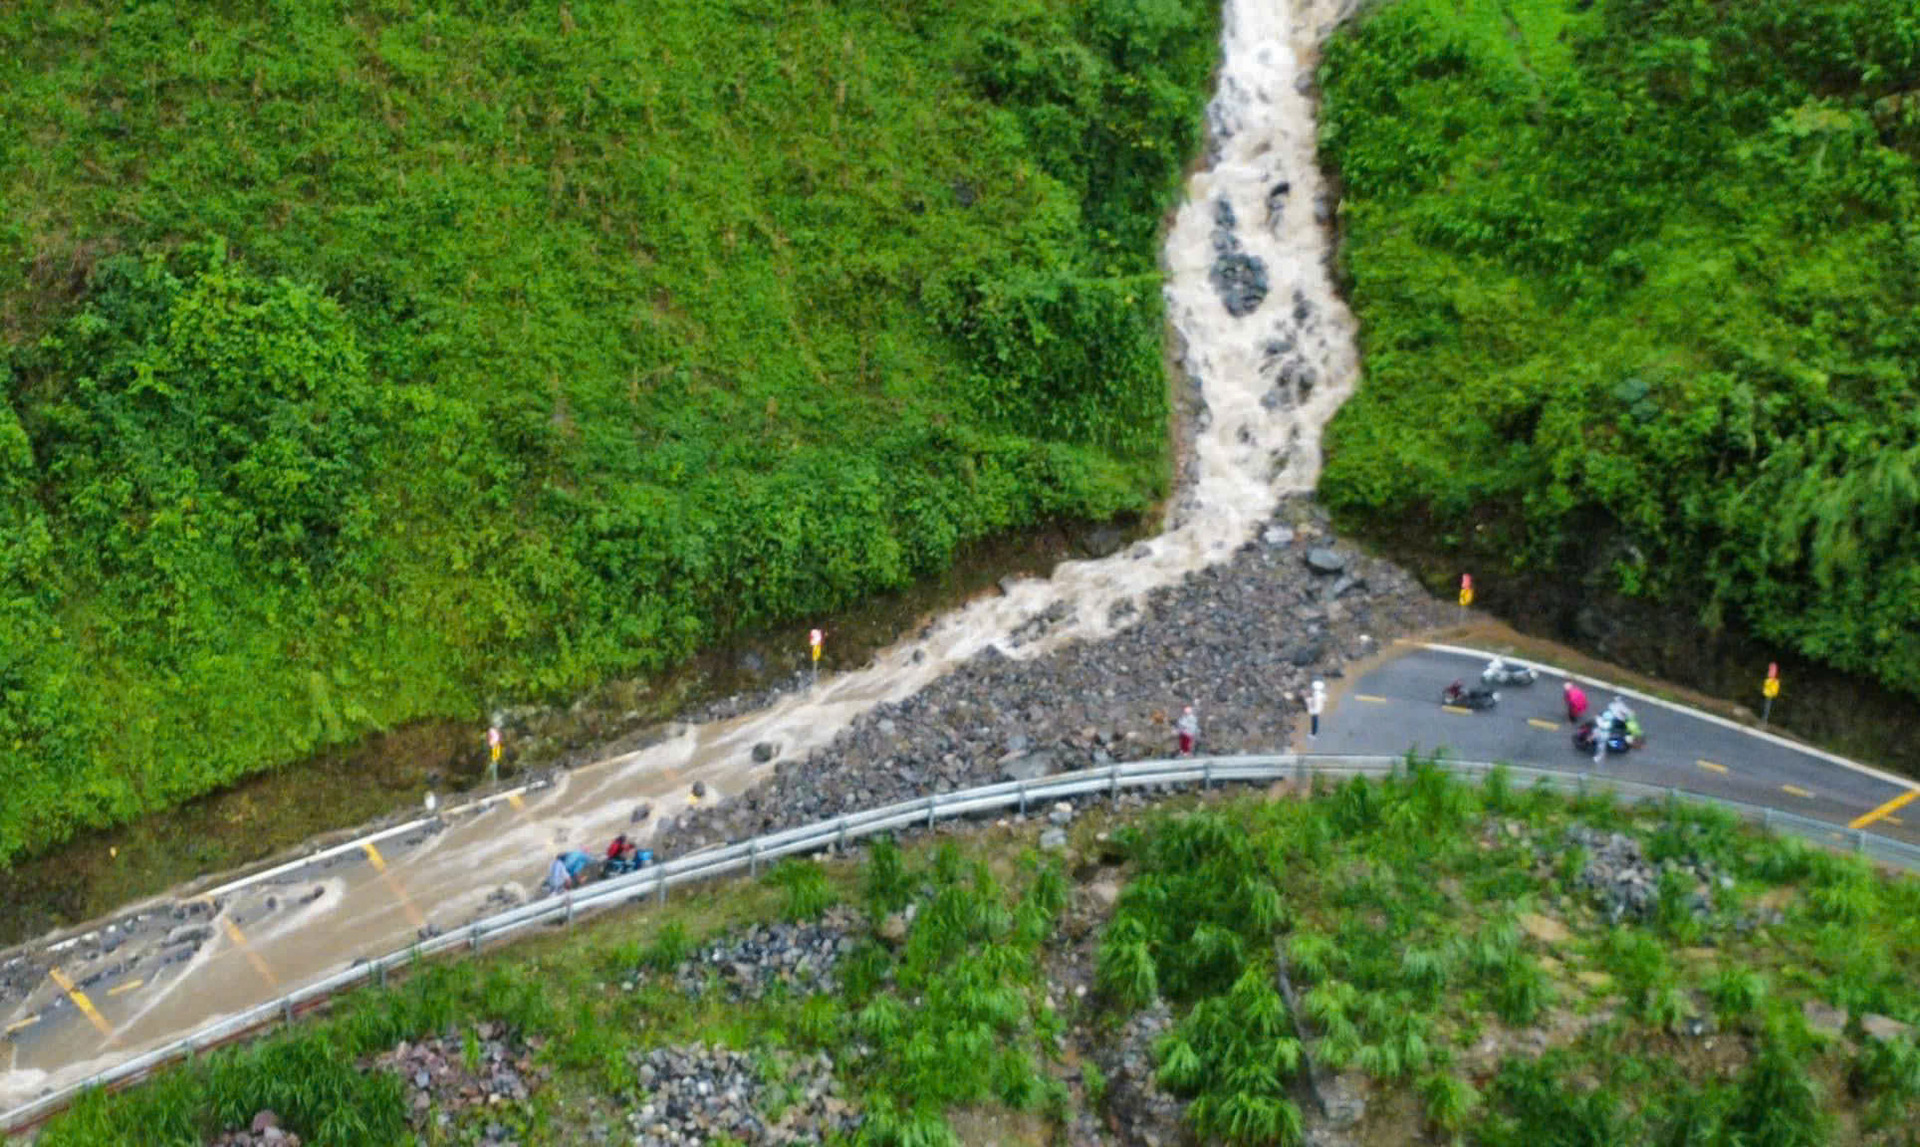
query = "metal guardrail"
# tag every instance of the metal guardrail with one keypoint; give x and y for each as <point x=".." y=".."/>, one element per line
<point x="655" y="881"/>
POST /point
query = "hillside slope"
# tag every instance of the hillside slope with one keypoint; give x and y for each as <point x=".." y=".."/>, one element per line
<point x="1639" y="286"/>
<point x="363" y="363"/>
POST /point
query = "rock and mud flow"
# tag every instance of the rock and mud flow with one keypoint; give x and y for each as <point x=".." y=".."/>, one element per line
<point x="1222" y="611"/>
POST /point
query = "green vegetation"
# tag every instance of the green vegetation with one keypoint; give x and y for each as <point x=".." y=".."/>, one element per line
<point x="363" y="363"/>
<point x="1438" y="950"/>
<point x="1639" y="291"/>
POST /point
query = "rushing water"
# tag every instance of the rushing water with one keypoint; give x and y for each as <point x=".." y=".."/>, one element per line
<point x="1268" y="380"/>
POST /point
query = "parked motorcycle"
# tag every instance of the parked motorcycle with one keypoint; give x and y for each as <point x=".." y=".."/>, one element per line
<point x="625" y="863"/>
<point x="1500" y="671"/>
<point x="1618" y="740"/>
<point x="1461" y="696"/>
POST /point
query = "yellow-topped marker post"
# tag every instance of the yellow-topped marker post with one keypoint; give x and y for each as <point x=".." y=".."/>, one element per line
<point x="1466" y="595"/>
<point x="1770" y="688"/>
<point x="814" y="639"/>
<point x="493" y="754"/>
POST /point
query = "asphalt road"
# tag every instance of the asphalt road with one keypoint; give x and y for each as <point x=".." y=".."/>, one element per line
<point x="1395" y="707"/>
<point x="169" y="967"/>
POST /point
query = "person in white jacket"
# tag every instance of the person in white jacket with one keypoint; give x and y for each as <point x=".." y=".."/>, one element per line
<point x="1188" y="728"/>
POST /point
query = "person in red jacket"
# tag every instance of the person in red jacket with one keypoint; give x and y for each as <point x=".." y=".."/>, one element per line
<point x="1576" y="701"/>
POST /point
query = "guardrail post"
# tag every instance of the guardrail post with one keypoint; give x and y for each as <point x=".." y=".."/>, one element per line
<point x="1766" y="818"/>
<point x="841" y="841"/>
<point x="753" y="858"/>
<point x="286" y="1010"/>
<point x="1113" y="784"/>
<point x="1859" y="840"/>
<point x="661" y="884"/>
<point x="1206" y="774"/>
<point x="380" y="974"/>
<point x="933" y="803"/>
<point x="1023" y="798"/>
<point x="473" y="939"/>
<point x="1299" y="772"/>
<point x="569" y="909"/>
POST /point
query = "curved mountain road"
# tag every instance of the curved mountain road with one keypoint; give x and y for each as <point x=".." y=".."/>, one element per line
<point x="170" y="968"/>
<point x="1395" y="707"/>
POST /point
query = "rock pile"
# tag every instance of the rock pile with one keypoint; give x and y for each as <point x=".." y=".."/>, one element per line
<point x="264" y="1130"/>
<point x="1238" y="278"/>
<point x="1238" y="640"/>
<point x="1625" y="884"/>
<point x="802" y="956"/>
<point x="695" y="1094"/>
<point x="1137" y="1106"/>
<point x="445" y="1078"/>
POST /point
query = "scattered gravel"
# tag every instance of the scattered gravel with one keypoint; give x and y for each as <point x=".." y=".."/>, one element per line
<point x="1239" y="641"/>
<point x="697" y="1093"/>
<point x="802" y="956"/>
<point x="442" y="1086"/>
<point x="265" y="1129"/>
<point x="1625" y="884"/>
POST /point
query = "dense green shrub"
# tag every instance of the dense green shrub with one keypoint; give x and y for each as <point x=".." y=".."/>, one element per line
<point x="1636" y="282"/>
<point x="439" y="354"/>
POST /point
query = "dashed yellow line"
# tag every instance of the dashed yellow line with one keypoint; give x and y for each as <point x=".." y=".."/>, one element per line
<point x="1796" y="790"/>
<point x="399" y="893"/>
<point x="123" y="989"/>
<point x="1457" y="709"/>
<point x="21" y="1025"/>
<point x="1885" y="811"/>
<point x="80" y="1000"/>
<point x="240" y="940"/>
<point x="1537" y="723"/>
<point x="1370" y="699"/>
<point x="518" y="804"/>
<point x="1712" y="767"/>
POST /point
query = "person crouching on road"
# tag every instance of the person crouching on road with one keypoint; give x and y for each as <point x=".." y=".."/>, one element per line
<point x="1576" y="701"/>
<point x="568" y="870"/>
<point x="1188" y="729"/>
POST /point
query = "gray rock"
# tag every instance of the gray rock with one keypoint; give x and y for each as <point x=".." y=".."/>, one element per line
<point x="1277" y="536"/>
<point x="1054" y="840"/>
<point x="1028" y="767"/>
<point x="1103" y="541"/>
<point x="1883" y="1028"/>
<point x="765" y="751"/>
<point x="1322" y="560"/>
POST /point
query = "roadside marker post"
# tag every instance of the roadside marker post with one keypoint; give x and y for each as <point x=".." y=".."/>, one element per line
<point x="493" y="754"/>
<point x="1770" y="688"/>
<point x="814" y="638"/>
<point x="1466" y="595"/>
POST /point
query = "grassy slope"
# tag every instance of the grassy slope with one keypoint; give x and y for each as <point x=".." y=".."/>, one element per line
<point x="1407" y="945"/>
<point x="1637" y="290"/>
<point x="604" y="329"/>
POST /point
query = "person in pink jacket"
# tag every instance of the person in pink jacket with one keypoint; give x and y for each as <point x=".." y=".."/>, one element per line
<point x="1576" y="701"/>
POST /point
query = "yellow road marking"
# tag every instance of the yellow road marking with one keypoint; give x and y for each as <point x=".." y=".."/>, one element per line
<point x="514" y="800"/>
<point x="123" y="989"/>
<point x="21" y="1026"/>
<point x="253" y="957"/>
<point x="80" y="1000"/>
<point x="1884" y="811"/>
<point x="1539" y="724"/>
<point x="1712" y="767"/>
<point x="1370" y="699"/>
<point x="1796" y="790"/>
<point x="1457" y="709"/>
<point x="399" y="893"/>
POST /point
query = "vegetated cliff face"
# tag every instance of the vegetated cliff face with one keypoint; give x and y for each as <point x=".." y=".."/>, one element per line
<point x="358" y="366"/>
<point x="1637" y="292"/>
